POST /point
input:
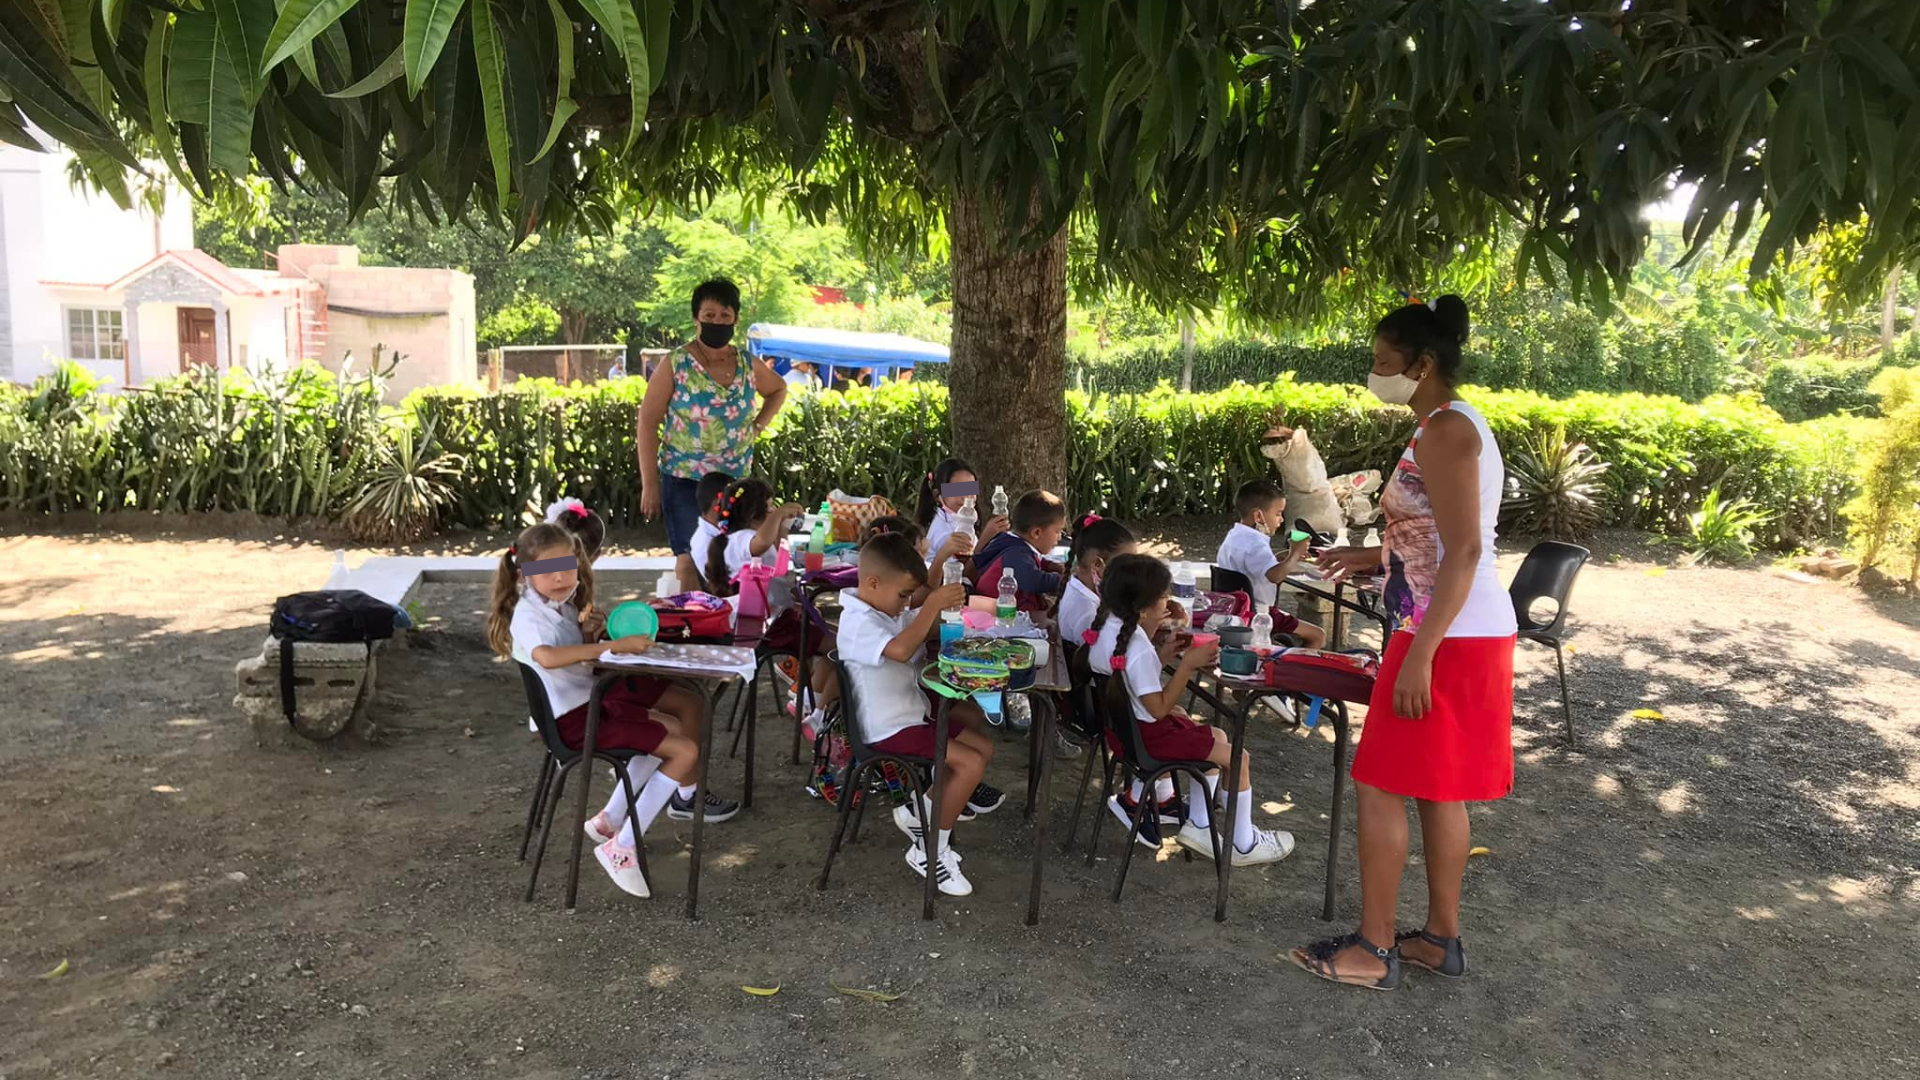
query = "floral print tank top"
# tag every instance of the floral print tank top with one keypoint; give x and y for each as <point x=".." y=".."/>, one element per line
<point x="709" y="427"/>
<point x="1411" y="547"/>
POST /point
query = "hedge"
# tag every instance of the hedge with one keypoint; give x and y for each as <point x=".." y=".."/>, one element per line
<point x="226" y="445"/>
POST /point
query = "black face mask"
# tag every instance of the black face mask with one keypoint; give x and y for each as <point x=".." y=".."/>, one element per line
<point x="715" y="335"/>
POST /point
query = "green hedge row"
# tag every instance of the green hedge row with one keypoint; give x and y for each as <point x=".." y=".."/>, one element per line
<point x="195" y="445"/>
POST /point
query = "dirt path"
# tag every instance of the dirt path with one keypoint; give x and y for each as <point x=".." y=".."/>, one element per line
<point x="1731" y="891"/>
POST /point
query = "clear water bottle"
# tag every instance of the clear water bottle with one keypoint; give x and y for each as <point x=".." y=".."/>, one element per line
<point x="1184" y="586"/>
<point x="1262" y="630"/>
<point x="1008" y="605"/>
<point x="999" y="501"/>
<point x="966" y="517"/>
<point x="1372" y="538"/>
<point x="668" y="585"/>
<point x="951" y="576"/>
<point x="1340" y="538"/>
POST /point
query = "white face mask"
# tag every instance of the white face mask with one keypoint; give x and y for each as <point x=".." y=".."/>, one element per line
<point x="1392" y="389"/>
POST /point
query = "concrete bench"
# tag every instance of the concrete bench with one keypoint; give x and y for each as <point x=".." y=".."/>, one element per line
<point x="334" y="682"/>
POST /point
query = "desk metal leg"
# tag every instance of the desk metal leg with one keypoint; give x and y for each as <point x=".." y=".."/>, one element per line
<point x="1043" y="738"/>
<point x="1339" y="801"/>
<point x="586" y="781"/>
<point x="700" y="801"/>
<point x="1230" y="780"/>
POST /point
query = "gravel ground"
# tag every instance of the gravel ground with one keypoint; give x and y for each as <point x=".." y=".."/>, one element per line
<point x="1726" y="891"/>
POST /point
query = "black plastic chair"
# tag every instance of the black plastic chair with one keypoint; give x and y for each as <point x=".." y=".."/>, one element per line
<point x="1089" y="723"/>
<point x="1547" y="573"/>
<point x="866" y="763"/>
<point x="1149" y="769"/>
<point x="1221" y="579"/>
<point x="560" y="761"/>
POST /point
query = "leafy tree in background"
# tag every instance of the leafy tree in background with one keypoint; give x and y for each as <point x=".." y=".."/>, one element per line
<point x="771" y="256"/>
<point x="1267" y="145"/>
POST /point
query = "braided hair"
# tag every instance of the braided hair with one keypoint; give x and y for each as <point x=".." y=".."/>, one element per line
<point x="743" y="506"/>
<point x="1093" y="536"/>
<point x="1131" y="585"/>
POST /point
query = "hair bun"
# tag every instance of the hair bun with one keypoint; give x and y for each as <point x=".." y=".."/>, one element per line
<point x="1452" y="313"/>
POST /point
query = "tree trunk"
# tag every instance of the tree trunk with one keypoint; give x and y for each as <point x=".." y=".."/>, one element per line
<point x="1889" y="305"/>
<point x="573" y="330"/>
<point x="1007" y="379"/>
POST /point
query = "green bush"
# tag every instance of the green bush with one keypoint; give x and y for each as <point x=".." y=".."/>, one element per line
<point x="1805" y="387"/>
<point x="300" y="448"/>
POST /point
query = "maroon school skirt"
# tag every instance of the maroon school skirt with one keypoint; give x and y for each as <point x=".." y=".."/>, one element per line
<point x="625" y="720"/>
<point x="1174" y="737"/>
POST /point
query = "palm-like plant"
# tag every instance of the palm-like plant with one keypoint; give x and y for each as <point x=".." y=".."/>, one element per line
<point x="1553" y="487"/>
<point x="406" y="484"/>
<point x="1722" y="531"/>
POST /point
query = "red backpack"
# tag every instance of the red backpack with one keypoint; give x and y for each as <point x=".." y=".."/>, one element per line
<point x="694" y="618"/>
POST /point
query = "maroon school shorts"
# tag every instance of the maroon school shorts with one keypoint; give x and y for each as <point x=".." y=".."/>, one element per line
<point x="1174" y="737"/>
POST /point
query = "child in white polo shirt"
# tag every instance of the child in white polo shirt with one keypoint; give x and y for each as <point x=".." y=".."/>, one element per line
<point x="1248" y="550"/>
<point x="880" y="641"/>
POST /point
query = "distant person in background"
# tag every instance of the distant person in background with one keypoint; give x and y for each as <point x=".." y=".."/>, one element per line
<point x="699" y="416"/>
<point x="802" y="375"/>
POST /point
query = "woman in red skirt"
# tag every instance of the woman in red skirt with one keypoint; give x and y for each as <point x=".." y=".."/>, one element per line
<point x="1439" y="727"/>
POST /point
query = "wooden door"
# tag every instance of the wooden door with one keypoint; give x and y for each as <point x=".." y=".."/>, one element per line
<point x="197" y="338"/>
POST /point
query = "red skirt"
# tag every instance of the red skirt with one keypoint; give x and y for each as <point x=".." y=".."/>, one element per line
<point x="1174" y="737"/>
<point x="625" y="720"/>
<point x="1462" y="750"/>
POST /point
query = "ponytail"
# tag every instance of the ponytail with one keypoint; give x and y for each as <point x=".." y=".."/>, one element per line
<point x="742" y="506"/>
<point x="506" y="593"/>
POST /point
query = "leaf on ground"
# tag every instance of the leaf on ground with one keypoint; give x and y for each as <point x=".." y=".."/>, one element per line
<point x="866" y="995"/>
<point x="761" y="991"/>
<point x="1649" y="714"/>
<point x="1571" y="649"/>
<point x="58" y="970"/>
<point x="1479" y="851"/>
<point x="1656" y="571"/>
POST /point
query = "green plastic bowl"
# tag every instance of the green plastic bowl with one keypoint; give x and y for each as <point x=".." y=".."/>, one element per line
<point x="632" y="619"/>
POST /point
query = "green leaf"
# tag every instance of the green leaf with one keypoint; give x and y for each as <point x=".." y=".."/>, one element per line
<point x="244" y="27"/>
<point x="386" y="72"/>
<point x="34" y="75"/>
<point x="154" y="72"/>
<point x="492" y="63"/>
<point x="114" y="13"/>
<point x="563" y="40"/>
<point x="78" y="15"/>
<point x="620" y="25"/>
<point x="300" y="22"/>
<point x="562" y="112"/>
<point x="204" y="89"/>
<point x="659" y="33"/>
<point x="1037" y="11"/>
<point x="49" y="17"/>
<point x="427" y="25"/>
<point x="13" y="128"/>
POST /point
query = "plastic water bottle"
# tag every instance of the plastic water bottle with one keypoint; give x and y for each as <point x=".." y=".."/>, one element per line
<point x="1340" y="538"/>
<point x="1372" y="539"/>
<point x="668" y="585"/>
<point x="817" y="543"/>
<point x="950" y="575"/>
<point x="1184" y="587"/>
<point x="967" y="516"/>
<point x="1262" y="629"/>
<point x="999" y="501"/>
<point x="1009" y="603"/>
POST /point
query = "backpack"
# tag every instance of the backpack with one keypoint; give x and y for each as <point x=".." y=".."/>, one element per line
<point x="335" y="616"/>
<point x="694" y="618"/>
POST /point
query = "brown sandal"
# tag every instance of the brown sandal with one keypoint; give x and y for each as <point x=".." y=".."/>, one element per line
<point x="1317" y="960"/>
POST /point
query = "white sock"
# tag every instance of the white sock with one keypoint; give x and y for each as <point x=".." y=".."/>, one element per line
<point x="1163" y="790"/>
<point x="685" y="791"/>
<point x="647" y="805"/>
<point x="946" y="839"/>
<point x="1197" y="815"/>
<point x="1134" y="791"/>
<point x="1213" y="787"/>
<point x="1243" y="820"/>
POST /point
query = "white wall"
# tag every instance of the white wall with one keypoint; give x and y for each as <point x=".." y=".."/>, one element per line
<point x="55" y="233"/>
<point x="260" y="324"/>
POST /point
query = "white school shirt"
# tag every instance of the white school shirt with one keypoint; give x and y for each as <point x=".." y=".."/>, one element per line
<point x="703" y="534"/>
<point x="1143" y="664"/>
<point x="938" y="530"/>
<point x="538" y="621"/>
<point x="1077" y="607"/>
<point x="1249" y="551"/>
<point x="739" y="551"/>
<point x="886" y="691"/>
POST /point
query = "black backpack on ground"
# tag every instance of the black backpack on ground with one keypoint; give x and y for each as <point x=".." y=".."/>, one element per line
<point x="335" y="616"/>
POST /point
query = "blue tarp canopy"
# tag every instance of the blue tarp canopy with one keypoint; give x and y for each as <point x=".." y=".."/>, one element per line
<point x="843" y="348"/>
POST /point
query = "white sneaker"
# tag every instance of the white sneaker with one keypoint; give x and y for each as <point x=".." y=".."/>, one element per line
<point x="1197" y="839"/>
<point x="1283" y="709"/>
<point x="1269" y="846"/>
<point x="947" y="876"/>
<point x="621" y="865"/>
<point x="914" y="827"/>
<point x="601" y="828"/>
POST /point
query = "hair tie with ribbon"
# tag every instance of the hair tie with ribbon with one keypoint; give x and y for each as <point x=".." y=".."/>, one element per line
<point x="1119" y="662"/>
<point x="1090" y="519"/>
<point x="568" y="507"/>
<point x="1090" y="637"/>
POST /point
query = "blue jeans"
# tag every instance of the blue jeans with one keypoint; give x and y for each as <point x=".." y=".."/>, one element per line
<point x="680" y="506"/>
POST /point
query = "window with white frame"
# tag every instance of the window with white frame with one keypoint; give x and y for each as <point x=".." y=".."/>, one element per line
<point x="96" y="334"/>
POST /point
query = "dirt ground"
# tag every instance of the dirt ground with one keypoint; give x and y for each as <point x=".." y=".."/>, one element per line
<point x="1731" y="890"/>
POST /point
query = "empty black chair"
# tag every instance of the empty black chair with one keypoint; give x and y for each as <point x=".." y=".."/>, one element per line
<point x="1112" y="689"/>
<point x="1547" y="573"/>
<point x="866" y="762"/>
<point x="560" y="761"/>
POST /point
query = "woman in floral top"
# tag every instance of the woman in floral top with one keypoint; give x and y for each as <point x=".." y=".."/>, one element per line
<point x="699" y="416"/>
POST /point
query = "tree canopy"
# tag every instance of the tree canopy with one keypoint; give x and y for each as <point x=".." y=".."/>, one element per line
<point x="1266" y="148"/>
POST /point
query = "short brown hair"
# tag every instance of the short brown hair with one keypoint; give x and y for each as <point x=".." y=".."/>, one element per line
<point x="1036" y="509"/>
<point x="1256" y="495"/>
<point x="893" y="553"/>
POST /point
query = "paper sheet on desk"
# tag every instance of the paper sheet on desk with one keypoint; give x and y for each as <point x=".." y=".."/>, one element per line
<point x="725" y="658"/>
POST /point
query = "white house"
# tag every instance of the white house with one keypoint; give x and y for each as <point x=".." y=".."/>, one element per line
<point x="127" y="294"/>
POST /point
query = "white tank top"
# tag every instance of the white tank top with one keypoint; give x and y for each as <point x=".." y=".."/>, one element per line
<point x="1411" y="547"/>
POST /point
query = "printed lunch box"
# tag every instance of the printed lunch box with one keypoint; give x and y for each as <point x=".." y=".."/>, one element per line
<point x="976" y="664"/>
